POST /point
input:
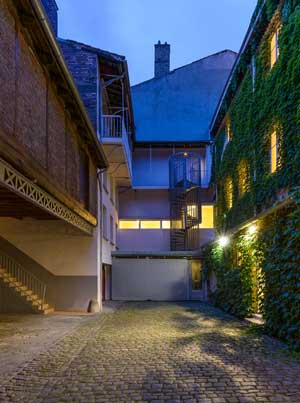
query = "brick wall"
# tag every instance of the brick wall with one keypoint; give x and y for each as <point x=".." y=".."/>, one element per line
<point x="83" y="65"/>
<point x="32" y="116"/>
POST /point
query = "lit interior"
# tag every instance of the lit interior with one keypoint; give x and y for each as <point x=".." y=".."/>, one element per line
<point x="274" y="49"/>
<point x="166" y="224"/>
<point x="129" y="224"/>
<point x="207" y="217"/>
<point x="243" y="177"/>
<point x="273" y="152"/>
<point x="229" y="192"/>
<point x="150" y="224"/>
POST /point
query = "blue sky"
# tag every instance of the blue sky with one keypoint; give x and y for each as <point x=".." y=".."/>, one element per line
<point x="194" y="28"/>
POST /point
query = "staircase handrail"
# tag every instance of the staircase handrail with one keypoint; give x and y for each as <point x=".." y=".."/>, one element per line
<point x="29" y="280"/>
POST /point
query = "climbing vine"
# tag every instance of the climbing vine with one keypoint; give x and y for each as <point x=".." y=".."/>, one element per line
<point x="264" y="274"/>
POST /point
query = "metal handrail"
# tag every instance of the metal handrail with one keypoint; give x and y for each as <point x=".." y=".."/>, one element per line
<point x="23" y="276"/>
<point x="111" y="126"/>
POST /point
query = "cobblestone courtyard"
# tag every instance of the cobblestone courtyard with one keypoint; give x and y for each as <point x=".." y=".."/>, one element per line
<point x="149" y="352"/>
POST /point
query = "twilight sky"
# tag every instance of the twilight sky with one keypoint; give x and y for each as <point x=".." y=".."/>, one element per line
<point x="194" y="28"/>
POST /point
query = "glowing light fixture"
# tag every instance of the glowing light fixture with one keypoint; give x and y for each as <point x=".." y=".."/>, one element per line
<point x="223" y="241"/>
<point x="252" y="229"/>
<point x="185" y="154"/>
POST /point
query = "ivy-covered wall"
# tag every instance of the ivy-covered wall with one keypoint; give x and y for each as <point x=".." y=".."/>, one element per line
<point x="270" y="260"/>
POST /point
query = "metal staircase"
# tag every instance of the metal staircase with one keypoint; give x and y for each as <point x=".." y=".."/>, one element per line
<point x="185" y="201"/>
<point x="31" y="289"/>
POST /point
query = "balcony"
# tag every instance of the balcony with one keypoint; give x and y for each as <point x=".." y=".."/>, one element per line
<point x="116" y="141"/>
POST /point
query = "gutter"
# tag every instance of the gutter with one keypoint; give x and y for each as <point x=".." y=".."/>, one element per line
<point x="43" y="20"/>
<point x="243" y="47"/>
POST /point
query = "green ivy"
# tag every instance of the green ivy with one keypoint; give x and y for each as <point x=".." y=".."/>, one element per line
<point x="274" y="104"/>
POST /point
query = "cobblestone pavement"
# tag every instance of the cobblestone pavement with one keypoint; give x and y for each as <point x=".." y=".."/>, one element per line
<point x="159" y="353"/>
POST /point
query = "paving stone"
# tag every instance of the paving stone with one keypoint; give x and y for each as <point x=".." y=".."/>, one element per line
<point x="153" y="352"/>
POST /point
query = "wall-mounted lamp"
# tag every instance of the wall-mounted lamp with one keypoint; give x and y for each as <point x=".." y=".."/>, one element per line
<point x="252" y="229"/>
<point x="223" y="241"/>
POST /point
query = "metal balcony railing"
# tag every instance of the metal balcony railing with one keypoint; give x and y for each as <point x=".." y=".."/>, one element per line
<point x="113" y="127"/>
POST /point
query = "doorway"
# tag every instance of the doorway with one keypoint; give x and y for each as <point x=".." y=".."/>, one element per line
<point x="196" y="280"/>
<point x="106" y="282"/>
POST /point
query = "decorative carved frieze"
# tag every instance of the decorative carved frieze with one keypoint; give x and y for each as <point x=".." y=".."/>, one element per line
<point x="25" y="188"/>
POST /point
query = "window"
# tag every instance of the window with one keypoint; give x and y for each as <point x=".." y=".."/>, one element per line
<point x="193" y="211"/>
<point x="166" y="224"/>
<point x="112" y="189"/>
<point x="253" y="72"/>
<point x="243" y="177"/>
<point x="228" y="130"/>
<point x="207" y="217"/>
<point x="150" y="224"/>
<point x="129" y="224"/>
<point x="104" y="218"/>
<point x="229" y="193"/>
<point x="84" y="178"/>
<point x="111" y="229"/>
<point x="274" y="48"/>
<point x="274" y="152"/>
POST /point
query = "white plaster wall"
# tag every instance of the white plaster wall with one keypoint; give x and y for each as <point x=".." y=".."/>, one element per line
<point x="111" y="207"/>
<point x="57" y="246"/>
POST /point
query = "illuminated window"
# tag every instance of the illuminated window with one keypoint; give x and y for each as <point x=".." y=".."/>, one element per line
<point x="274" y="152"/>
<point x="228" y="130"/>
<point x="274" y="48"/>
<point x="229" y="193"/>
<point x="129" y="224"/>
<point x="207" y="217"/>
<point x="166" y="224"/>
<point x="243" y="177"/>
<point x="177" y="224"/>
<point x="150" y="224"/>
<point x="192" y="210"/>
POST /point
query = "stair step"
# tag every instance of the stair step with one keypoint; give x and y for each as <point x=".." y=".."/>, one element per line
<point x="34" y="300"/>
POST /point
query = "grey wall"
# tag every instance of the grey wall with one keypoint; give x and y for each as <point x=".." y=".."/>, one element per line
<point x="154" y="279"/>
<point x="179" y="106"/>
<point x="151" y="166"/>
<point x="144" y="204"/>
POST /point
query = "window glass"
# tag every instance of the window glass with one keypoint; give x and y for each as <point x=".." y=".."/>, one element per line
<point x="150" y="224"/>
<point x="207" y="217"/>
<point x="229" y="192"/>
<point x="129" y="224"/>
<point x="274" y="152"/>
<point x="166" y="224"/>
<point x="243" y="177"/>
<point x="104" y="218"/>
<point x="111" y="221"/>
<point x="274" y="48"/>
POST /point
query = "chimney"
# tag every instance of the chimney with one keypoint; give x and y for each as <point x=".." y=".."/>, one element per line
<point x="51" y="9"/>
<point x="162" y="59"/>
